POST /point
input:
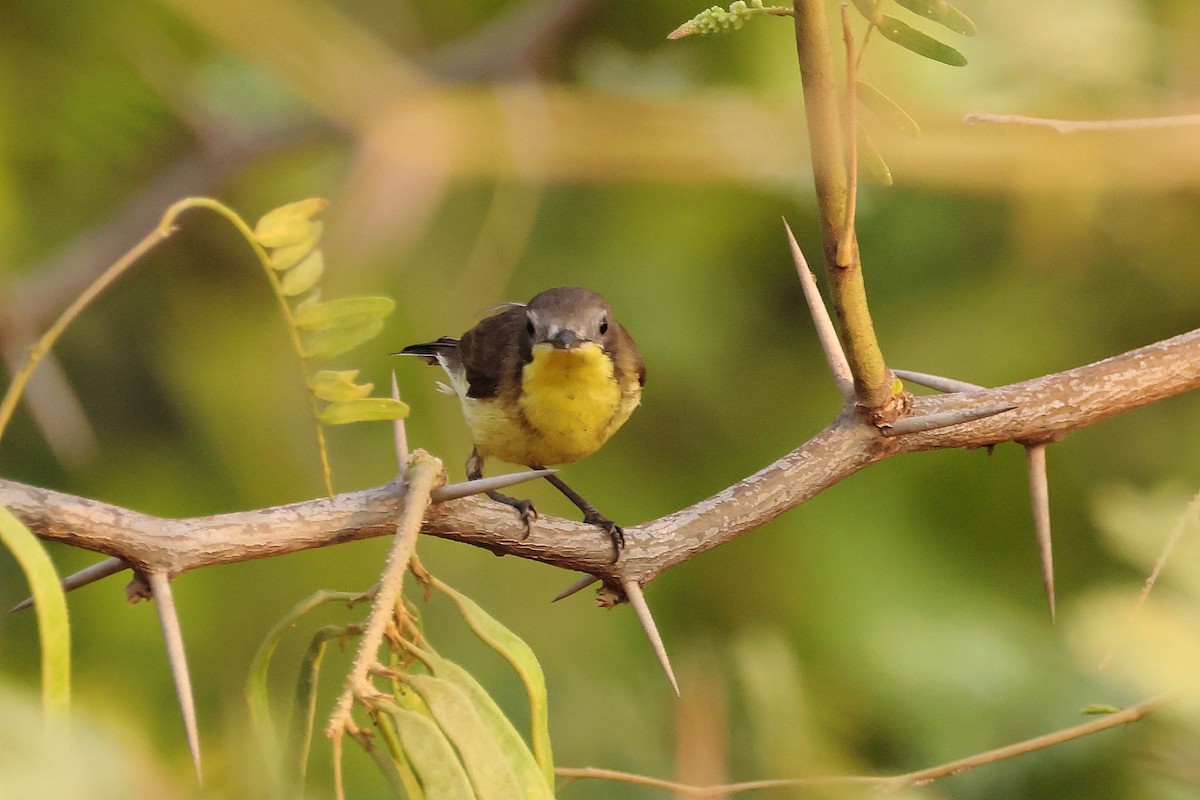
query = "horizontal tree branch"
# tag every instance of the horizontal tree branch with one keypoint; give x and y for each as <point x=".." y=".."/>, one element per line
<point x="1044" y="409"/>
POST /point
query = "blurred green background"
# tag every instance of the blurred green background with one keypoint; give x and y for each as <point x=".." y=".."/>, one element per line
<point x="479" y="152"/>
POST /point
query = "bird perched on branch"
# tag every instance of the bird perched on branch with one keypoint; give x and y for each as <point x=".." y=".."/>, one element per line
<point x="543" y="383"/>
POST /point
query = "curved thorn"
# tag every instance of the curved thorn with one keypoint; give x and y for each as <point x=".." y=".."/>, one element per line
<point x="101" y="569"/>
<point x="168" y="618"/>
<point x="633" y="591"/>
<point x="936" y="381"/>
<point x="577" y="586"/>
<point x="942" y="419"/>
<point x="1039" y="494"/>
<point x="826" y="332"/>
<point x="399" y="435"/>
<point x="456" y="490"/>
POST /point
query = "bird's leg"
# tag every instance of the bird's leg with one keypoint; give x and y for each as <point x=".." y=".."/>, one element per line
<point x="591" y="515"/>
<point x="523" y="507"/>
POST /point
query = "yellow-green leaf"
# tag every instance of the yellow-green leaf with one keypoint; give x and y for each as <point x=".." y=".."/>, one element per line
<point x="291" y="255"/>
<point x="942" y="13"/>
<point x="920" y="43"/>
<point x="338" y="387"/>
<point x="522" y="659"/>
<point x="304" y="276"/>
<point x="335" y="341"/>
<point x="886" y="108"/>
<point x="343" y="311"/>
<point x="290" y="224"/>
<point x="486" y="765"/>
<point x="366" y="409"/>
<point x="431" y="755"/>
<point x="54" y="630"/>
<point x="535" y="784"/>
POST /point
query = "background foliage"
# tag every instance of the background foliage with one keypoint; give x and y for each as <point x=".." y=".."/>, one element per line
<point x="893" y="622"/>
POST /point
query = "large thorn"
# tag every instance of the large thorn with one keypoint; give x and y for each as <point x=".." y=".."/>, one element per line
<point x="168" y="618"/>
<point x="399" y="434"/>
<point x="936" y="381"/>
<point x="1039" y="494"/>
<point x="826" y="332"/>
<point x="456" y="490"/>
<point x="942" y="419"/>
<point x="577" y="586"/>
<point x="101" y="569"/>
<point x="633" y="591"/>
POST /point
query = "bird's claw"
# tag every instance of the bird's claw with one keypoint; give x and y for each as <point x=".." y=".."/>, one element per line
<point x="528" y="515"/>
<point x="615" y="532"/>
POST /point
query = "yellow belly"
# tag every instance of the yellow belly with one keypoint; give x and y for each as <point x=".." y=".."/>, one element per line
<point x="569" y="406"/>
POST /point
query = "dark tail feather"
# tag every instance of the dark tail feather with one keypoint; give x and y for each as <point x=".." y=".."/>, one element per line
<point x="430" y="350"/>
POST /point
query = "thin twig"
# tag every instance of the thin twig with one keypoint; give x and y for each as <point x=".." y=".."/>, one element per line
<point x="168" y="618"/>
<point x="1039" y="495"/>
<point x="835" y="356"/>
<point x="1077" y="126"/>
<point x="846" y="255"/>
<point x="887" y="784"/>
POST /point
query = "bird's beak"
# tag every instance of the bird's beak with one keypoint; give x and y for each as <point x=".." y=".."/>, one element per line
<point x="565" y="339"/>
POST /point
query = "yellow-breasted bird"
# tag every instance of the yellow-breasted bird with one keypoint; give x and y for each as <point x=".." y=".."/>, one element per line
<point x="543" y="383"/>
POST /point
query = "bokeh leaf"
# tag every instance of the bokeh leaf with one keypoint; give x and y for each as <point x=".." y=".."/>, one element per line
<point x="918" y="42"/>
<point x="942" y="13"/>
<point x="867" y="8"/>
<point x="338" y="386"/>
<point x="343" y="311"/>
<point x="287" y="257"/>
<point x="304" y="276"/>
<point x="335" y="341"/>
<point x="486" y="764"/>
<point x="290" y="224"/>
<point x="366" y="409"/>
<point x="870" y="157"/>
<point x="886" y="109"/>
<point x="50" y="604"/>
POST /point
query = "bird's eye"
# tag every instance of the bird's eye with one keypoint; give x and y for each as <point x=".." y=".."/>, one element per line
<point x="603" y="326"/>
<point x="529" y="326"/>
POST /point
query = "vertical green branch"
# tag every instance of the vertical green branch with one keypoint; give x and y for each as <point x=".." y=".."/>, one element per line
<point x="873" y="383"/>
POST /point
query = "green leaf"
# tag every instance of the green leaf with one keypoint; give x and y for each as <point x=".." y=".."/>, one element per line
<point x="920" y="43"/>
<point x="335" y="341"/>
<point x="50" y="603"/>
<point x="304" y="276"/>
<point x="870" y="157"/>
<point x="291" y="255"/>
<point x="867" y="8"/>
<point x="431" y="755"/>
<point x="290" y="224"/>
<point x="534" y="783"/>
<point x="942" y="13"/>
<point x="487" y="767"/>
<point x="366" y="409"/>
<point x="343" y="311"/>
<point x="522" y="659"/>
<point x="334" y="386"/>
<point x="886" y="108"/>
<point x="255" y="689"/>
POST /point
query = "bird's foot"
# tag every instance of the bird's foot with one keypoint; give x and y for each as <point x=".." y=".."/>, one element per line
<point x="524" y="509"/>
<point x="615" y="532"/>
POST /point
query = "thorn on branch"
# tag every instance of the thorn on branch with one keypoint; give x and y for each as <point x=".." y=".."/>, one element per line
<point x="101" y="569"/>
<point x="633" y="591"/>
<point x="456" y="490"/>
<point x="168" y="618"/>
<point x="1039" y="494"/>
<point x="936" y="382"/>
<point x="942" y="419"/>
<point x="577" y="586"/>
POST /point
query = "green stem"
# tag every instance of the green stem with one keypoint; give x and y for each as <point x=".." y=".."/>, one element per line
<point x="284" y="309"/>
<point x="873" y="382"/>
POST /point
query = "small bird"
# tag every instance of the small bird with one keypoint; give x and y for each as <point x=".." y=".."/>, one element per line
<point x="543" y="383"/>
